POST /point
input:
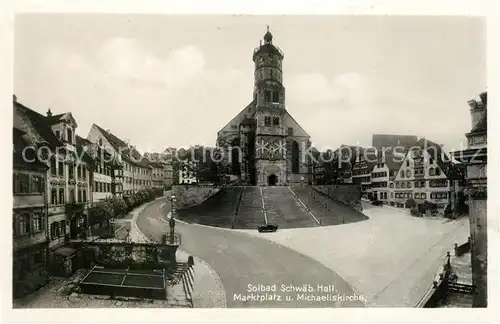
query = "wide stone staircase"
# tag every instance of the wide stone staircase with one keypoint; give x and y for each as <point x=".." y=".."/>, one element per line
<point x="217" y="210"/>
<point x="249" y="214"/>
<point x="327" y="210"/>
<point x="284" y="209"/>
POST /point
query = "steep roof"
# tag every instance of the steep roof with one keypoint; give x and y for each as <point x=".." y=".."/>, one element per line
<point x="482" y="125"/>
<point x="40" y="124"/>
<point x="392" y="140"/>
<point x="18" y="160"/>
<point x="442" y="159"/>
<point x="115" y="141"/>
<point x="54" y="119"/>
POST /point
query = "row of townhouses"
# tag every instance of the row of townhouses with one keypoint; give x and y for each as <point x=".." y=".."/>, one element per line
<point x="403" y="170"/>
<point x="58" y="180"/>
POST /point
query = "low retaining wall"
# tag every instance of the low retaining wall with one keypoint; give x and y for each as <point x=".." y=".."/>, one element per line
<point x="347" y="194"/>
<point x="192" y="195"/>
<point x="125" y="254"/>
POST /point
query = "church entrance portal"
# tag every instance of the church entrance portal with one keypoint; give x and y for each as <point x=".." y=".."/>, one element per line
<point x="272" y="180"/>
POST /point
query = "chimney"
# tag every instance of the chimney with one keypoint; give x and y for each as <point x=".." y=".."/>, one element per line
<point x="14" y="97"/>
<point x="49" y="113"/>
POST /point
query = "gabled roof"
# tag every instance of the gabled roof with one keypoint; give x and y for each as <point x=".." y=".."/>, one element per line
<point x="297" y="123"/>
<point x="451" y="170"/>
<point x="18" y="160"/>
<point x="40" y="124"/>
<point x="54" y="119"/>
<point x="251" y="104"/>
<point x="116" y="142"/>
<point x="393" y="140"/>
<point x="482" y="125"/>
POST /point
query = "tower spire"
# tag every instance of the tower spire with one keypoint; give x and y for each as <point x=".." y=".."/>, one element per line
<point x="268" y="37"/>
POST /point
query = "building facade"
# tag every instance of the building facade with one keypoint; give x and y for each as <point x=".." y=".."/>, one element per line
<point x="132" y="172"/>
<point x="67" y="185"/>
<point x="426" y="176"/>
<point x="30" y="221"/>
<point x="475" y="159"/>
<point x="263" y="145"/>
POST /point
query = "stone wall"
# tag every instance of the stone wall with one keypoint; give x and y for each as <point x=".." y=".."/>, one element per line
<point x="192" y="195"/>
<point x="347" y="194"/>
<point x="124" y="254"/>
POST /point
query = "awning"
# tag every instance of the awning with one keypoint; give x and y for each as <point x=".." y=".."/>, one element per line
<point x="65" y="251"/>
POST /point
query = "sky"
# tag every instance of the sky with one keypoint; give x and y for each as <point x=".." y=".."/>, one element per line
<point x="173" y="81"/>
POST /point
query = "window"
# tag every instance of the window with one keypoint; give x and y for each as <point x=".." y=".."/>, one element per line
<point x="24" y="224"/>
<point x="398" y="185"/>
<point x="267" y="120"/>
<point x="71" y="171"/>
<point x="402" y="174"/>
<point x="408" y="173"/>
<point x="432" y="172"/>
<point x="60" y="168"/>
<point x="54" y="196"/>
<point x="423" y="195"/>
<point x="53" y="167"/>
<point x="438" y="171"/>
<point x="392" y="185"/>
<point x="84" y="194"/>
<point x="407" y="163"/>
<point x="276" y="121"/>
<point x="58" y="134"/>
<point x="78" y="171"/>
<point x="61" y="196"/>
<point x="267" y="96"/>
<point x="84" y="173"/>
<point x="290" y="131"/>
<point x="276" y="97"/>
<point x="63" y="228"/>
<point x="71" y="198"/>
<point x="70" y="135"/>
<point x="295" y="157"/>
<point x="79" y="195"/>
<point x="431" y="161"/>
<point x="408" y="185"/>
<point x="37" y="222"/>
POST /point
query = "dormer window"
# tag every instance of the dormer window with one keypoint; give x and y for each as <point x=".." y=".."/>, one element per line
<point x="58" y="134"/>
<point x="100" y="142"/>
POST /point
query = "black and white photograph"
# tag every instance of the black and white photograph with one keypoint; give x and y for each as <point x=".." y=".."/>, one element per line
<point x="249" y="161"/>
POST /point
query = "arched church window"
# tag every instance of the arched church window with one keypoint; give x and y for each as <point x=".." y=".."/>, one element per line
<point x="295" y="157"/>
<point x="235" y="161"/>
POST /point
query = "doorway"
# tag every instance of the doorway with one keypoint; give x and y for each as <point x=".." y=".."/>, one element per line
<point x="272" y="180"/>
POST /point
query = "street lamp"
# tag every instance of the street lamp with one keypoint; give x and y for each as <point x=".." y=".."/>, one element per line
<point x="172" y="219"/>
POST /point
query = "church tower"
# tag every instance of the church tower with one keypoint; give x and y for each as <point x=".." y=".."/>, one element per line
<point x="269" y="100"/>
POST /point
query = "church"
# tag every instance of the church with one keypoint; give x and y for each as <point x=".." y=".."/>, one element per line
<point x="263" y="145"/>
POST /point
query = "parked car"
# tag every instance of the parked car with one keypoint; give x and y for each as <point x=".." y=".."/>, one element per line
<point x="377" y="203"/>
<point x="267" y="228"/>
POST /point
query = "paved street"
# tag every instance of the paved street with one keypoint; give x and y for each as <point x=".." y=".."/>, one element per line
<point x="243" y="261"/>
<point x="391" y="258"/>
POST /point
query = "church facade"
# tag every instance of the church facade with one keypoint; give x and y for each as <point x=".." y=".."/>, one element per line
<point x="263" y="145"/>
